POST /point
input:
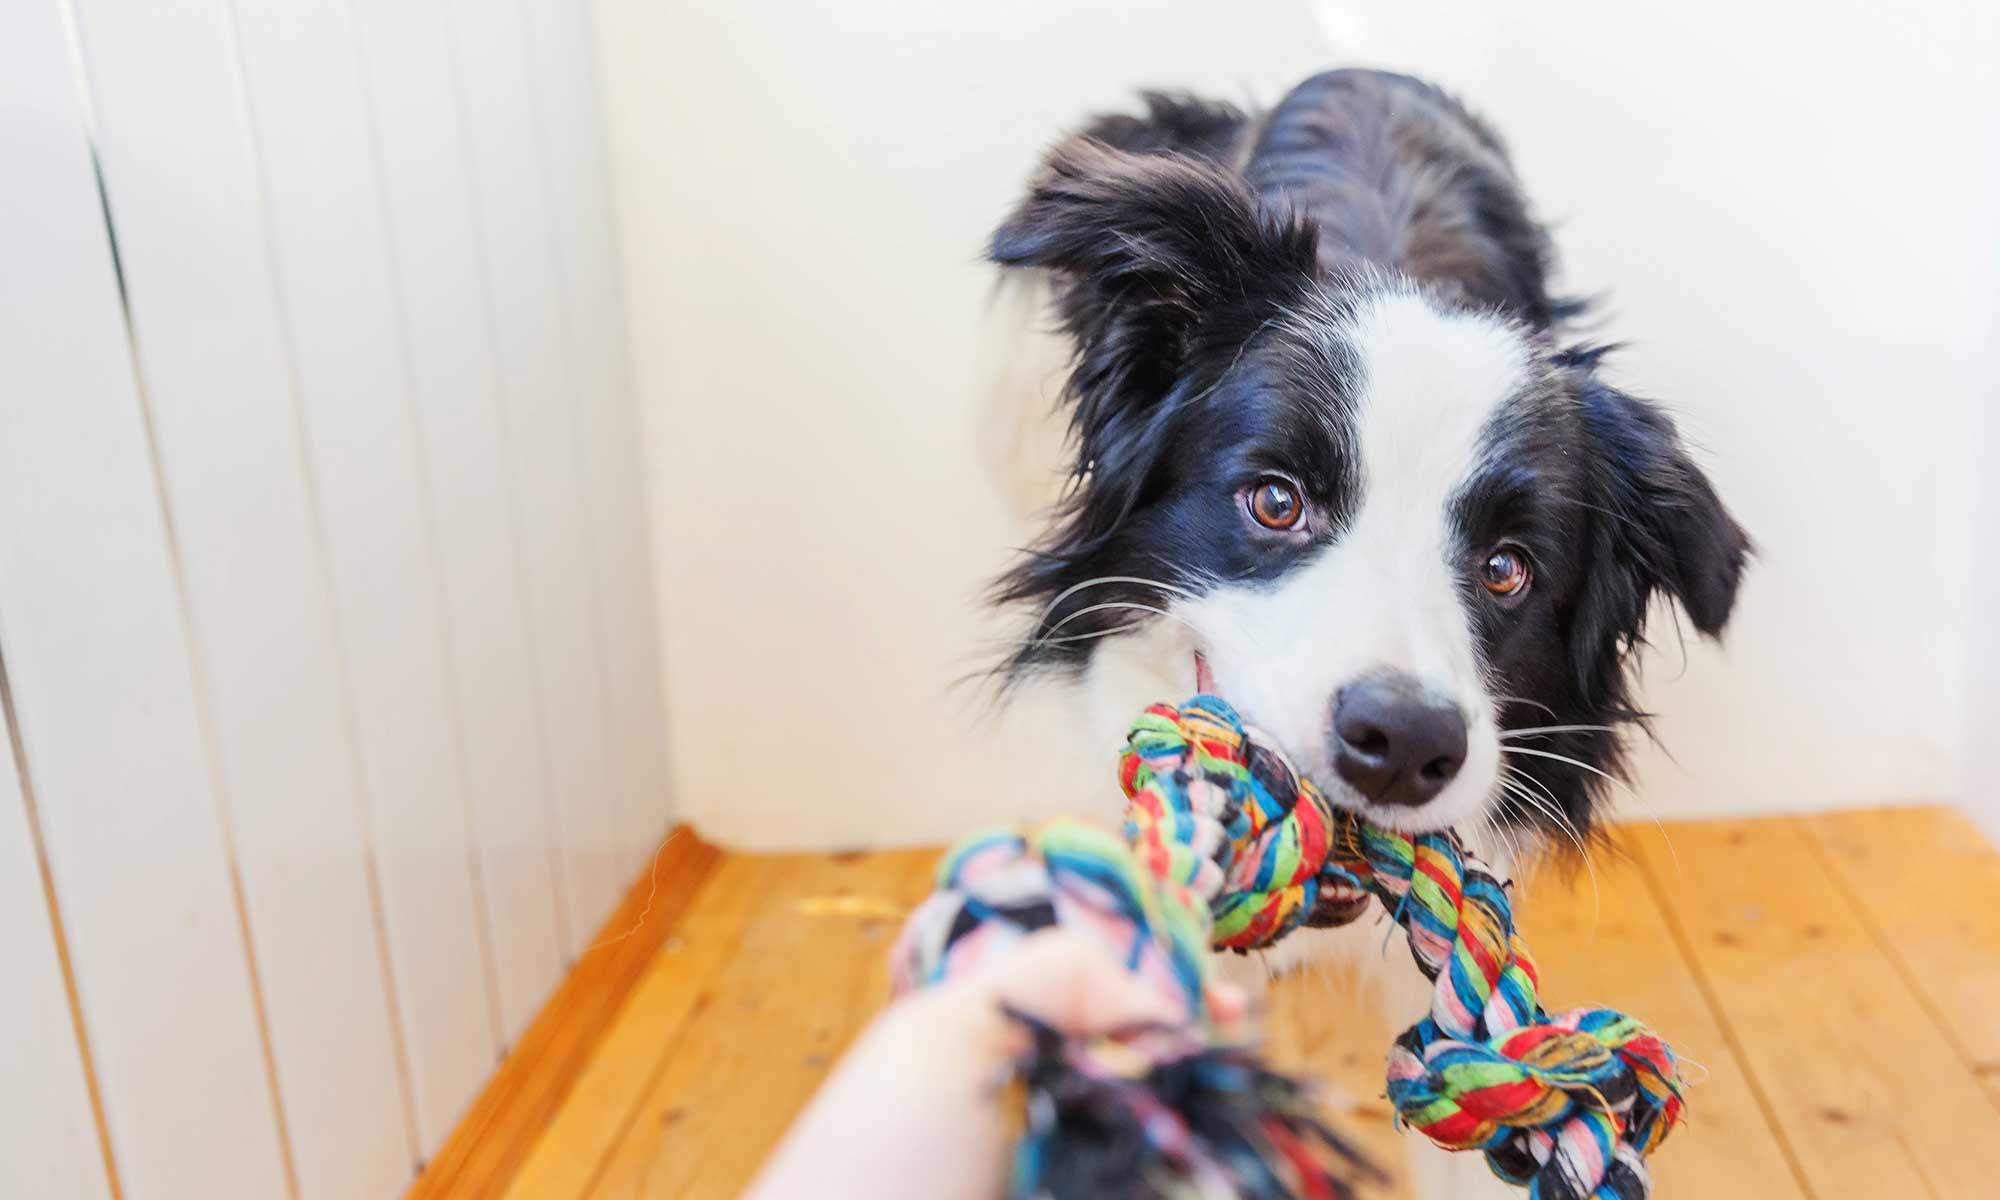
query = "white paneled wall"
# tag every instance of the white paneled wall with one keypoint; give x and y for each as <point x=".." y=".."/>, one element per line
<point x="1786" y="238"/>
<point x="55" y="1132"/>
<point x="325" y="606"/>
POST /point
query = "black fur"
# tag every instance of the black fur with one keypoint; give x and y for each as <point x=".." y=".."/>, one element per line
<point x="1203" y="260"/>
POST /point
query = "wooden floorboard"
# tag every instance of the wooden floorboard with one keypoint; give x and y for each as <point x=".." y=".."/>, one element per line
<point x="1323" y="1022"/>
<point x="600" y="1109"/>
<point x="1928" y="886"/>
<point x="1601" y="937"/>
<point x="485" y="1152"/>
<point x="1833" y="983"/>
<point x="1873" y="1098"/>
<point x="807" y="974"/>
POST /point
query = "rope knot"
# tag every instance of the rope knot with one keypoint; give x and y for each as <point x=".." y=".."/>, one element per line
<point x="1226" y="845"/>
<point x="1569" y="1102"/>
<point x="1224" y="816"/>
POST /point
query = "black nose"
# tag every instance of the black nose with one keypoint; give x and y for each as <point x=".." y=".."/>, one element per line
<point x="1392" y="742"/>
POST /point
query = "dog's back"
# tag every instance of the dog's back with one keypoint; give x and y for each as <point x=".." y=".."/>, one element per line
<point x="1393" y="171"/>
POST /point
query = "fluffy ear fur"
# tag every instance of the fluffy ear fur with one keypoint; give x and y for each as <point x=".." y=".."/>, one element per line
<point x="1659" y="527"/>
<point x="1150" y="251"/>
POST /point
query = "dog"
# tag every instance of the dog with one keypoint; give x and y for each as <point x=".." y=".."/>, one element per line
<point x="1338" y="458"/>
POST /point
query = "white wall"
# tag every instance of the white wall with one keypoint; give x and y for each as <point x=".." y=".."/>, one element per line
<point x="1794" y="206"/>
<point x="329" y="680"/>
<point x="1981" y="790"/>
<point x="1791" y="205"/>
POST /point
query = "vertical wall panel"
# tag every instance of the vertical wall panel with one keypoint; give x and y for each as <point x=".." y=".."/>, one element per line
<point x="324" y="591"/>
<point x="576" y="170"/>
<point x="98" y="664"/>
<point x="524" y="291"/>
<point x="48" y="1140"/>
<point x="184" y="198"/>
<point x="418" y="129"/>
<point x="309" y="113"/>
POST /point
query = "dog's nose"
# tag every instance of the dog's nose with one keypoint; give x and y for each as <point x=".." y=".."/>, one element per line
<point x="1394" y="743"/>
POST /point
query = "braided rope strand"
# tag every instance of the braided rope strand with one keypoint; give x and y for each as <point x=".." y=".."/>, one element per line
<point x="1184" y="1111"/>
<point x="1225" y="845"/>
<point x="1568" y="1104"/>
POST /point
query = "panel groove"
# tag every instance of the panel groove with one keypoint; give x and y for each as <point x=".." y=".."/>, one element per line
<point x="575" y="395"/>
<point x="437" y="290"/>
<point x="168" y="80"/>
<point x="523" y="288"/>
<point x="286" y="325"/>
<point x="559" y="867"/>
<point x="225" y="820"/>
<point x="103" y="704"/>
<point x="32" y="812"/>
<point x="433" y="544"/>
<point x="575" y="180"/>
<point x="211" y="756"/>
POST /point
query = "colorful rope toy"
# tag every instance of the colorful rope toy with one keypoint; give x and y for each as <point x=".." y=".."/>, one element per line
<point x="1226" y="845"/>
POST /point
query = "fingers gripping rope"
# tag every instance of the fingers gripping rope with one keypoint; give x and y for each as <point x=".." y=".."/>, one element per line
<point x="1176" y="1112"/>
<point x="1226" y="845"/>
<point x="1187" y="1111"/>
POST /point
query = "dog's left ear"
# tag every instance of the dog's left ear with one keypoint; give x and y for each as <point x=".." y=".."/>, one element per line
<point x="1149" y="249"/>
<point x="1662" y="528"/>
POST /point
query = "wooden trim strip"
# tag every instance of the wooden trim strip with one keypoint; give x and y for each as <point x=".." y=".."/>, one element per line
<point x="494" y="1136"/>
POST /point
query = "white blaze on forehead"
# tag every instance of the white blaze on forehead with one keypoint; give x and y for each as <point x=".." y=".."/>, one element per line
<point x="1431" y="383"/>
<point x="1388" y="593"/>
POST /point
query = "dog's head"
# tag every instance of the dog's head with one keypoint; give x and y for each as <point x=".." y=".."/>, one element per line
<point x="1413" y="541"/>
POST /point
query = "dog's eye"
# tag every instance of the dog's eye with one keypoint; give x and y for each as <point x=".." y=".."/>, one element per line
<point x="1505" y="572"/>
<point x="1275" y="503"/>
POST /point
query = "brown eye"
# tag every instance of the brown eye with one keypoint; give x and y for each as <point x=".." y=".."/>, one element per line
<point x="1505" y="572"/>
<point x="1275" y="504"/>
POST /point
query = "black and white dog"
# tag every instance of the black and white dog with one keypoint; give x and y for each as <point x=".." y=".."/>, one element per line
<point x="1331" y="443"/>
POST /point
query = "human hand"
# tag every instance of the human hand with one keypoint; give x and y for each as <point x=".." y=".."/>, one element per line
<point x="914" y="1108"/>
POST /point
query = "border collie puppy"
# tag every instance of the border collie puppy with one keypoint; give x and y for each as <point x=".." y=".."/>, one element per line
<point x="1331" y="446"/>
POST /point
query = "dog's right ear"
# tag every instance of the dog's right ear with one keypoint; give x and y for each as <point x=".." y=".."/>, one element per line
<point x="1151" y="250"/>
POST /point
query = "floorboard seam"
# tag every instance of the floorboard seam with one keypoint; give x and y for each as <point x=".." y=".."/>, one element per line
<point x="1709" y="996"/>
<point x="1887" y="945"/>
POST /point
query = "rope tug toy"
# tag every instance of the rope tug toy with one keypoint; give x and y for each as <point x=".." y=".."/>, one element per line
<point x="1226" y="845"/>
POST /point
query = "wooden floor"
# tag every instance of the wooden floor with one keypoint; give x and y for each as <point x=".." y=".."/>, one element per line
<point x="1833" y="983"/>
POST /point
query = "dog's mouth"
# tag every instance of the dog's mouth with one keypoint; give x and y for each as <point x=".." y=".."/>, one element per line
<point x="1204" y="679"/>
<point x="1420" y="819"/>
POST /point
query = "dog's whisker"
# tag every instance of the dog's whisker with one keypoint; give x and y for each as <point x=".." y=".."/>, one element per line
<point x="1628" y="789"/>
<point x="1549" y="805"/>
<point x="1068" y="638"/>
<point x="1569" y="830"/>
<point x="1564" y="758"/>
<point x="1502" y="839"/>
<point x="1101" y="606"/>
<point x="1538" y="805"/>
<point x="1500" y="698"/>
<point x="1102" y="580"/>
<point x="1161" y="586"/>
<point x="1108" y="605"/>
<point x="1548" y="729"/>
<point x="1645" y="803"/>
<point x="1515" y="850"/>
<point x="1546" y="798"/>
<point x="1518" y="774"/>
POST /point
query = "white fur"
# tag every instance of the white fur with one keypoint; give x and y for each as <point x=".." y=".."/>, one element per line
<point x="1388" y="593"/>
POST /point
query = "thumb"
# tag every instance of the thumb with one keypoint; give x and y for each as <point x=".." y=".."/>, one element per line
<point x="1075" y="984"/>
